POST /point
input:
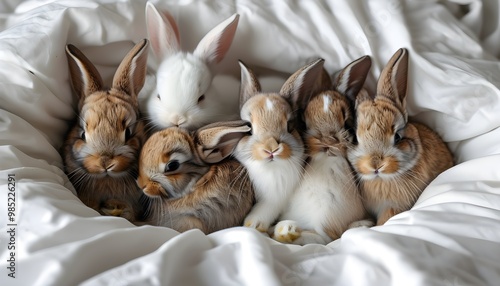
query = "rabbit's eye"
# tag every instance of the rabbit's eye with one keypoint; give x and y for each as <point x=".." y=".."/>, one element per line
<point x="128" y="133"/>
<point x="397" y="137"/>
<point x="354" y="139"/>
<point x="348" y="126"/>
<point x="82" y="135"/>
<point x="158" y="96"/>
<point x="172" y="166"/>
<point x="201" y="98"/>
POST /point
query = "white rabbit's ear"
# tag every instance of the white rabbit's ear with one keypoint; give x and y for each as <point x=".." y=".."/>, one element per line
<point x="249" y="85"/>
<point x="162" y="32"/>
<point x="214" y="46"/>
<point x="298" y="87"/>
<point x="131" y="73"/>
<point x="351" y="79"/>
<point x="393" y="79"/>
<point x="217" y="141"/>
<point x="84" y="76"/>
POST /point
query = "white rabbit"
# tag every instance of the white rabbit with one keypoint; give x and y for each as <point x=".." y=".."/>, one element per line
<point x="185" y="95"/>
<point x="274" y="153"/>
<point x="327" y="201"/>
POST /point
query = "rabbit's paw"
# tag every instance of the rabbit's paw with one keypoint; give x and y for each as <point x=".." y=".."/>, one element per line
<point x="361" y="223"/>
<point x="114" y="207"/>
<point x="256" y="223"/>
<point x="286" y="231"/>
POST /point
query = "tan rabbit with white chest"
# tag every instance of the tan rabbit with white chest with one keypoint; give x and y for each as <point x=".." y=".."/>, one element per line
<point x="101" y="150"/>
<point x="327" y="202"/>
<point x="191" y="180"/>
<point x="395" y="158"/>
<point x="273" y="153"/>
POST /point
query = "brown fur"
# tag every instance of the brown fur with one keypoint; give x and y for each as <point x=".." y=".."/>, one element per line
<point x="327" y="133"/>
<point x="273" y="115"/>
<point x="102" y="163"/>
<point x="326" y="129"/>
<point x="275" y="146"/>
<point x="409" y="165"/>
<point x="213" y="196"/>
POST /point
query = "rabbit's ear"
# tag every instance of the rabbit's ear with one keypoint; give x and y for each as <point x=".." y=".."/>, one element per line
<point x="299" y="86"/>
<point x="323" y="82"/>
<point x="351" y="79"/>
<point x="131" y="72"/>
<point x="162" y="32"/>
<point x="215" y="44"/>
<point x="249" y="86"/>
<point x="217" y="141"/>
<point x="393" y="80"/>
<point x="84" y="76"/>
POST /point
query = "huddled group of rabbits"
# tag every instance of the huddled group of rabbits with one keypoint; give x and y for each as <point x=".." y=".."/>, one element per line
<point x="302" y="164"/>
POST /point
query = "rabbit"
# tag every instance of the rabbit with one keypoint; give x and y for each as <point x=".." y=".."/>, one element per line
<point x="395" y="158"/>
<point x="101" y="149"/>
<point x="191" y="179"/>
<point x="273" y="153"/>
<point x="327" y="200"/>
<point x="185" y="93"/>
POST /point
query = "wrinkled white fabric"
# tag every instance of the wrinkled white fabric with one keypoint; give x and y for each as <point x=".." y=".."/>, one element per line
<point x="450" y="237"/>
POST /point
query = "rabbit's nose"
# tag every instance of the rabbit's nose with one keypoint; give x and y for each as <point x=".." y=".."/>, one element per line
<point x="107" y="163"/>
<point x="271" y="145"/>
<point x="377" y="163"/>
<point x="331" y="140"/>
<point x="177" y="119"/>
<point x="272" y="148"/>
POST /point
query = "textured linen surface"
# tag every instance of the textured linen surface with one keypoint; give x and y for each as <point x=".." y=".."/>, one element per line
<point x="450" y="237"/>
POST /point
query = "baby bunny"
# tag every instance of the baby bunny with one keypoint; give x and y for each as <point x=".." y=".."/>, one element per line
<point x="395" y="158"/>
<point x="185" y="94"/>
<point x="327" y="201"/>
<point x="101" y="150"/>
<point x="191" y="181"/>
<point x="274" y="153"/>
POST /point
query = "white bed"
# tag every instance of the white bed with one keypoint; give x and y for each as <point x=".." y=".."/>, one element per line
<point x="450" y="237"/>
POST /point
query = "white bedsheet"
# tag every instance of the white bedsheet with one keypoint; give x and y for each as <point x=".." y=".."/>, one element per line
<point x="450" y="237"/>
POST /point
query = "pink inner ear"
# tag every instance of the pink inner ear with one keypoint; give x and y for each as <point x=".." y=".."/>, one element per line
<point x="224" y="43"/>
<point x="163" y="32"/>
<point x="173" y="24"/>
<point x="153" y="35"/>
<point x="214" y="46"/>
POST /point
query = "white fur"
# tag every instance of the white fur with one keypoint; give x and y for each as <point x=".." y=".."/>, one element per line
<point x="183" y="77"/>
<point x="181" y="80"/>
<point x="180" y="100"/>
<point x="327" y="191"/>
<point x="326" y="103"/>
<point x="291" y="230"/>
<point x="274" y="178"/>
<point x="273" y="183"/>
<point x="344" y="81"/>
<point x="269" y="105"/>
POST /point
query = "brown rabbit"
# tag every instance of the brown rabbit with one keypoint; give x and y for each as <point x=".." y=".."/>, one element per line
<point x="395" y="159"/>
<point x="101" y="150"/>
<point x="273" y="153"/>
<point x="326" y="202"/>
<point x="191" y="181"/>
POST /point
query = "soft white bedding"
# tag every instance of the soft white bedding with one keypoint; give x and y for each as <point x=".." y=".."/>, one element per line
<point x="450" y="237"/>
